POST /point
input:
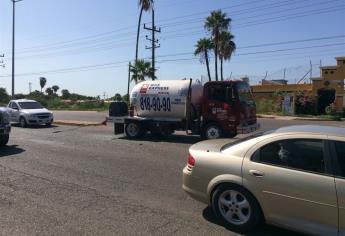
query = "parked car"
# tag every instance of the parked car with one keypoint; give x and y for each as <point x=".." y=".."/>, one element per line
<point x="5" y="126"/>
<point x="293" y="177"/>
<point x="29" y="112"/>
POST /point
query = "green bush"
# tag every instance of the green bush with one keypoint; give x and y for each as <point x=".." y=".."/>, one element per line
<point x="268" y="106"/>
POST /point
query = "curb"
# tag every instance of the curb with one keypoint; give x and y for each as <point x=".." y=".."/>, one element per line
<point x="78" y="123"/>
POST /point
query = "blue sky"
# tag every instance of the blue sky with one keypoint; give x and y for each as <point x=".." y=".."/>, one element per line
<point x="85" y="45"/>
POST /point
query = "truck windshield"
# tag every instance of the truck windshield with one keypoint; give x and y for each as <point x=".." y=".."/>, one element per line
<point x="244" y="92"/>
<point x="30" y="105"/>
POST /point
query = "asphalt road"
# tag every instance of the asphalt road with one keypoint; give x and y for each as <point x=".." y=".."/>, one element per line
<point x="92" y="116"/>
<point x="86" y="181"/>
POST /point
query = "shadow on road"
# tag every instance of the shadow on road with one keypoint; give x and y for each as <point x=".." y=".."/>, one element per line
<point x="10" y="150"/>
<point x="36" y="126"/>
<point x="264" y="230"/>
<point x="175" y="138"/>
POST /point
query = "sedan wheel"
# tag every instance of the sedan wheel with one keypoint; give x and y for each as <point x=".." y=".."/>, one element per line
<point x="236" y="207"/>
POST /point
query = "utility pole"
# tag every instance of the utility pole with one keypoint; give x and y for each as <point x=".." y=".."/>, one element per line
<point x="13" y="42"/>
<point x="30" y="87"/>
<point x="154" y="42"/>
<point x="311" y="71"/>
<point x="129" y="79"/>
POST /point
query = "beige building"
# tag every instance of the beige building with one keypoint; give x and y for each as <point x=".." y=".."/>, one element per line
<point x="326" y="89"/>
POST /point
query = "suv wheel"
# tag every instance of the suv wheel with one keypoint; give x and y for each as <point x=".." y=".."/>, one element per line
<point x="236" y="207"/>
<point x="4" y="139"/>
<point x="22" y="122"/>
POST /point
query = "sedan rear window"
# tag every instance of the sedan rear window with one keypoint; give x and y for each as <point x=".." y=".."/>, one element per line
<point x="241" y="140"/>
<point x="30" y="105"/>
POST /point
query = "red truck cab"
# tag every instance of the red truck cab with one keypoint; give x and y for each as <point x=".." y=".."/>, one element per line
<point x="228" y="108"/>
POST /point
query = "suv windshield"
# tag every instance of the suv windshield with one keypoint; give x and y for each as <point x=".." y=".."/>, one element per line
<point x="30" y="105"/>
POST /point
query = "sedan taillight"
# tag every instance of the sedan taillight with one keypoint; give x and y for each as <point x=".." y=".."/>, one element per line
<point x="191" y="161"/>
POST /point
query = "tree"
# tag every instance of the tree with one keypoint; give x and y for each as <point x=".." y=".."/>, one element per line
<point x="55" y="88"/>
<point x="43" y="82"/>
<point x="49" y="91"/>
<point x="226" y="49"/>
<point x="202" y="48"/>
<point x="141" y="70"/>
<point x="118" y="97"/>
<point x="216" y="23"/>
<point x="4" y="97"/>
<point x="65" y="94"/>
<point x="145" y="5"/>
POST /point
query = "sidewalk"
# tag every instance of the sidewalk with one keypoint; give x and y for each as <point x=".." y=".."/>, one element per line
<point x="277" y="117"/>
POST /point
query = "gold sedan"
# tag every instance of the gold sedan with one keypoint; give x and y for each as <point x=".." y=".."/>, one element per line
<point x="293" y="177"/>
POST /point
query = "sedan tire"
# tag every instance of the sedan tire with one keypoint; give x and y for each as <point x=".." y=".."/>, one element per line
<point x="236" y="208"/>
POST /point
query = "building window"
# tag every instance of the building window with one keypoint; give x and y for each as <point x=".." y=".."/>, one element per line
<point x="332" y="72"/>
<point x="326" y="72"/>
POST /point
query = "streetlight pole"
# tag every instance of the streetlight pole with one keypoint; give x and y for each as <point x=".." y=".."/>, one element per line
<point x="13" y="42"/>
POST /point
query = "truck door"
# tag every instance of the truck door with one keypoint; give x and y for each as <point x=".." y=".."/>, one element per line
<point x="220" y="105"/>
<point x="246" y="103"/>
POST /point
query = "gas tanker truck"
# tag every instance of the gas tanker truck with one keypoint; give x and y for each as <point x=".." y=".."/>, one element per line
<point x="214" y="110"/>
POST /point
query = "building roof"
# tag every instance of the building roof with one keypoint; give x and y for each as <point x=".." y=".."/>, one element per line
<point x="313" y="129"/>
<point x="329" y="67"/>
<point x="340" y="58"/>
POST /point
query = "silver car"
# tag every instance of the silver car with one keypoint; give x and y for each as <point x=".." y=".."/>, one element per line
<point x="293" y="177"/>
<point x="29" y="112"/>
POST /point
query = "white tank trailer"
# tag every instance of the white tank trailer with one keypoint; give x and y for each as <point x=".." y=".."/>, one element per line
<point x="213" y="110"/>
<point x="165" y="99"/>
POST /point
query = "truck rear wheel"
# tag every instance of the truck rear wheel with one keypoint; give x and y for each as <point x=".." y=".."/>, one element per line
<point x="212" y="131"/>
<point x="134" y="130"/>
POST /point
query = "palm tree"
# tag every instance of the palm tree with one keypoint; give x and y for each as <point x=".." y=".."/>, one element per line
<point x="216" y="23"/>
<point x="55" y="88"/>
<point x="145" y="5"/>
<point x="141" y="70"/>
<point x="226" y="48"/>
<point x="49" y="91"/>
<point x="202" y="48"/>
<point x="43" y="82"/>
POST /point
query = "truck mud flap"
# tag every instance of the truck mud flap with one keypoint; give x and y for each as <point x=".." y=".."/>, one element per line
<point x="119" y="128"/>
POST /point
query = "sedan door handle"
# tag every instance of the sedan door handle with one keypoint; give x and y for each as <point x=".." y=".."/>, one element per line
<point x="256" y="173"/>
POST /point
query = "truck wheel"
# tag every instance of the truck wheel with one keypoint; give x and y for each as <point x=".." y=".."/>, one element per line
<point x="4" y="139"/>
<point x="22" y="122"/>
<point x="134" y="130"/>
<point x="212" y="131"/>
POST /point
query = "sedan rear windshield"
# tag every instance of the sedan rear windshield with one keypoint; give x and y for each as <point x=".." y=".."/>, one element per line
<point x="30" y="105"/>
<point x="255" y="135"/>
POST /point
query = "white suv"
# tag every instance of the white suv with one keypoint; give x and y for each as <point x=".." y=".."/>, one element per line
<point x="29" y="112"/>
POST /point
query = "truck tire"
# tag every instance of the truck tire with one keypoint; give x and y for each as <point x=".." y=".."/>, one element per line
<point x="134" y="130"/>
<point x="22" y="122"/>
<point x="4" y="139"/>
<point x="212" y="131"/>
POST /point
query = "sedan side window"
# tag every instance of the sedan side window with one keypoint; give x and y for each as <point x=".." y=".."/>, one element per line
<point x="301" y="154"/>
<point x="340" y="149"/>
